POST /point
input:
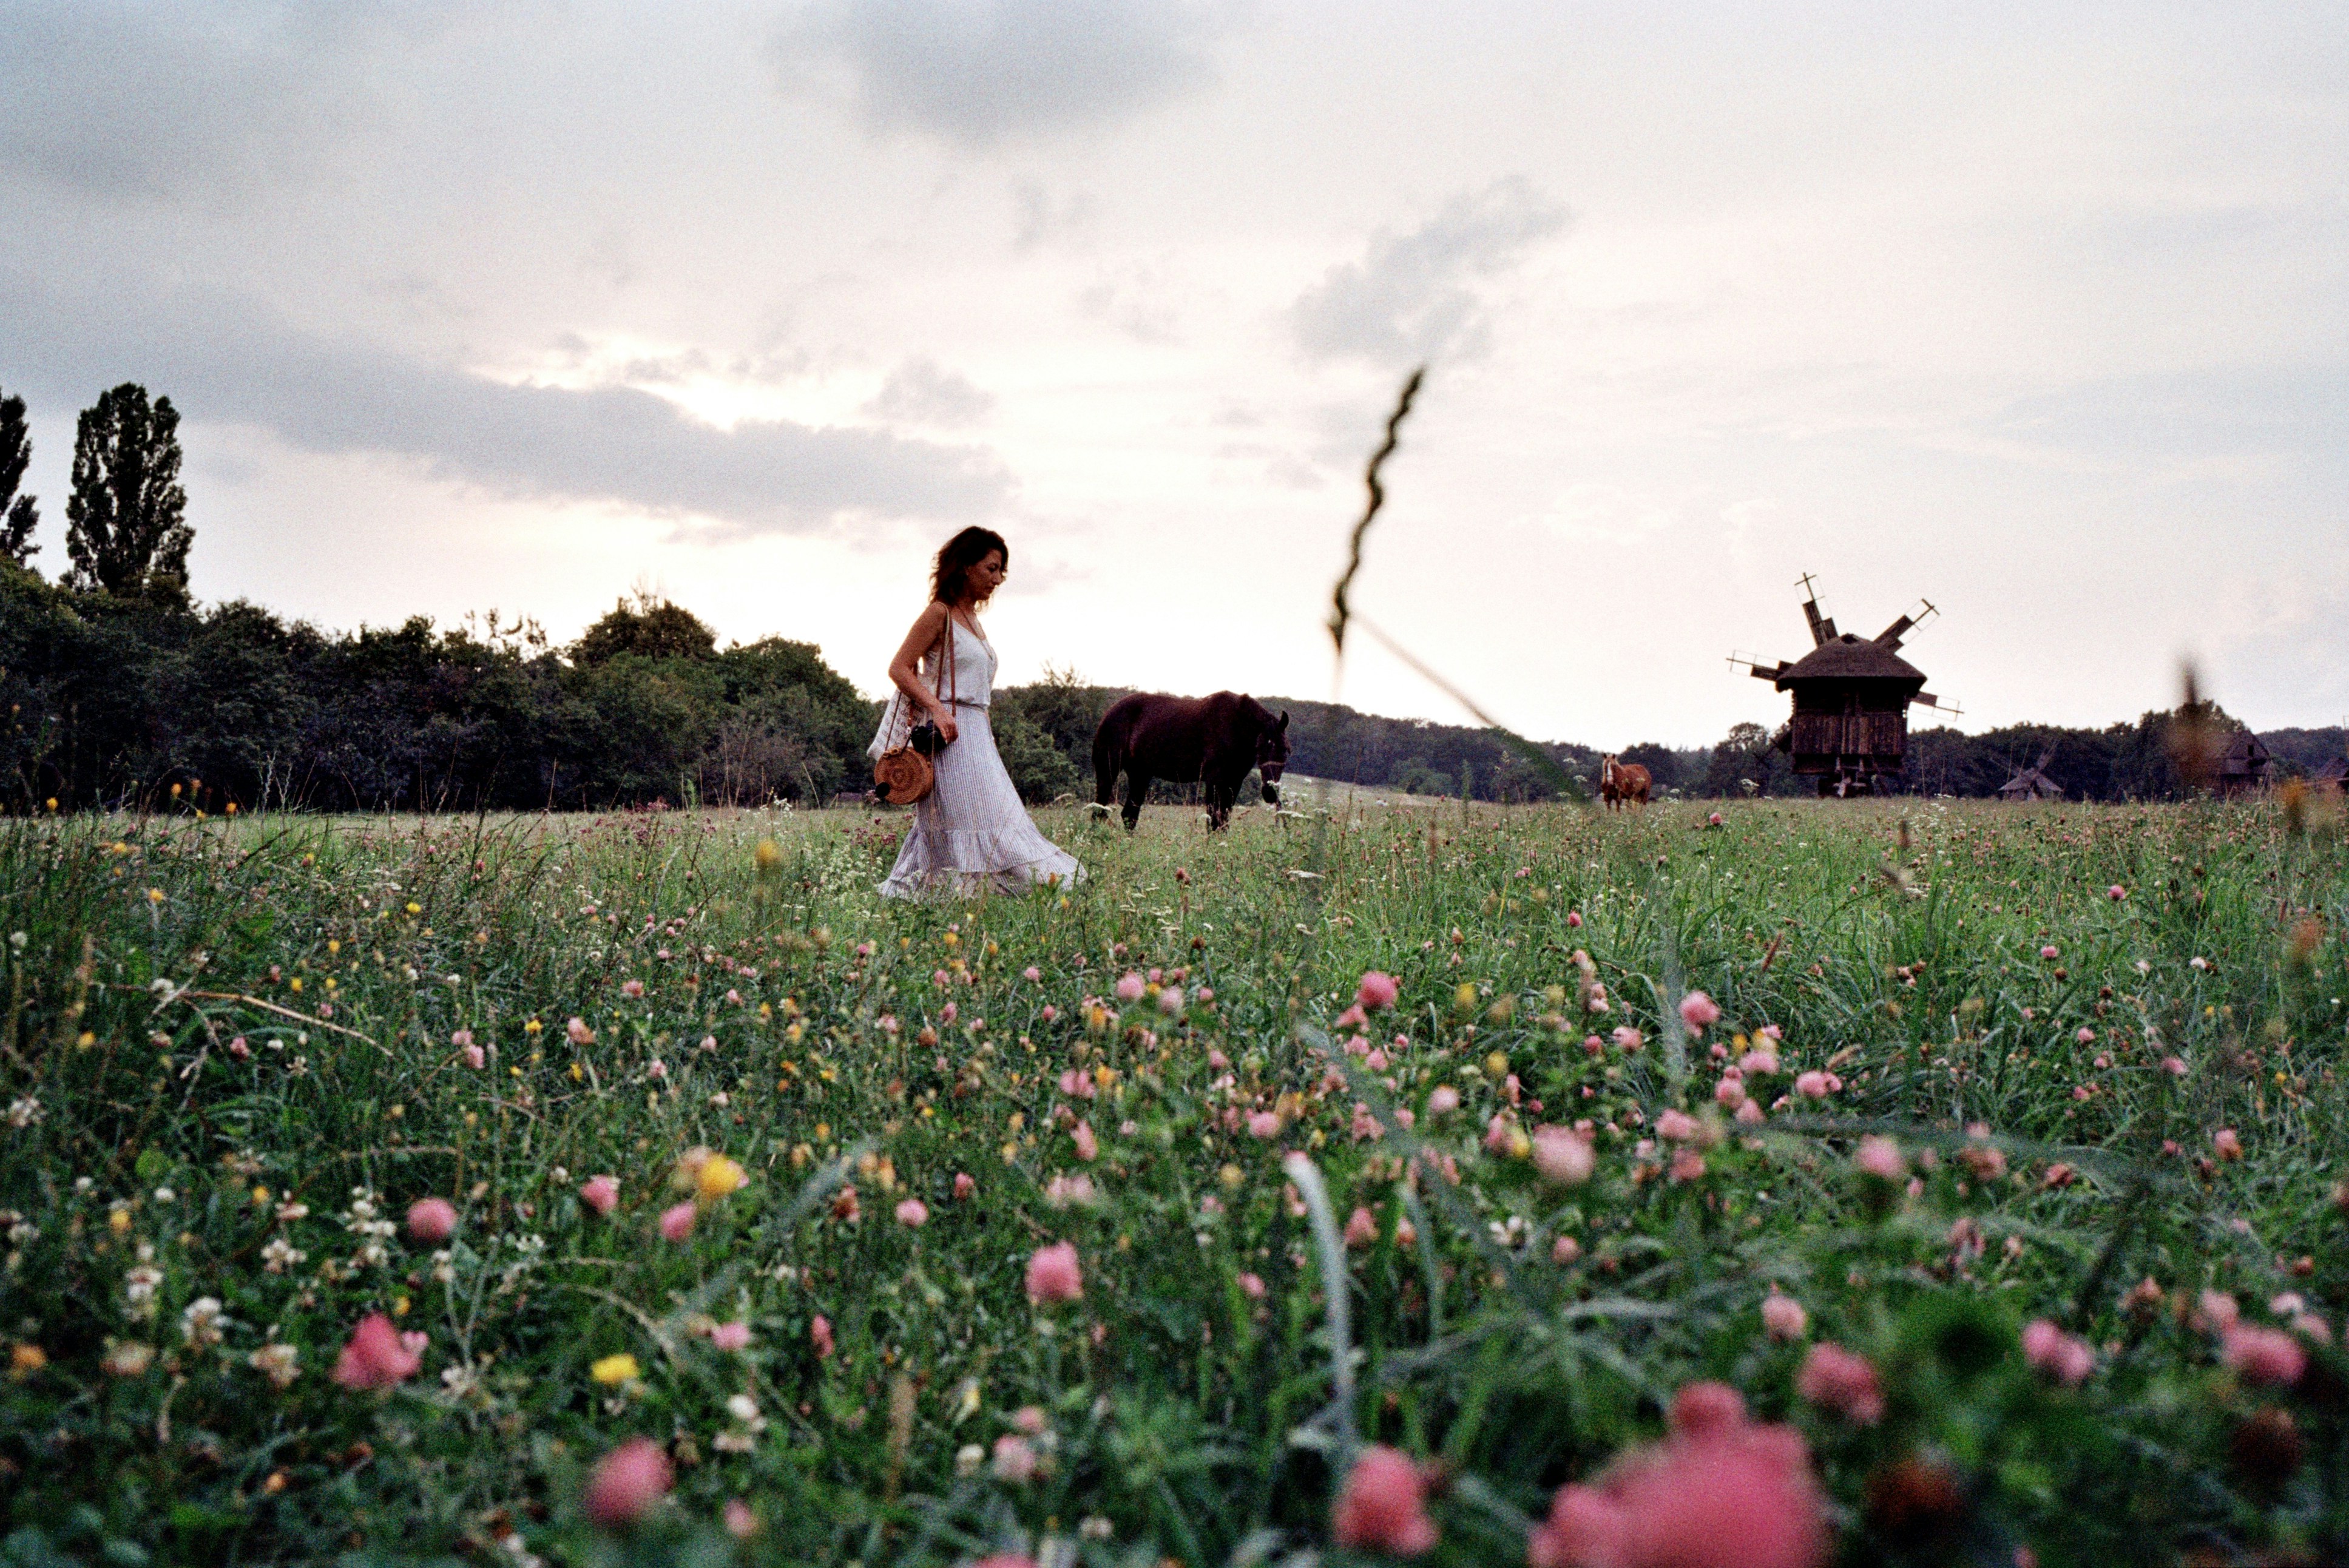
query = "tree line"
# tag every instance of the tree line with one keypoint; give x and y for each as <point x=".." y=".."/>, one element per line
<point x="118" y="690"/>
<point x="2133" y="760"/>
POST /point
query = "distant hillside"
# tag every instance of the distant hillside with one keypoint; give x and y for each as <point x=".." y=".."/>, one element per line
<point x="1330" y="741"/>
<point x="1333" y="741"/>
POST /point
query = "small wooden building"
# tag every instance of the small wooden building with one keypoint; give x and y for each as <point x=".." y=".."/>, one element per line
<point x="2032" y="783"/>
<point x="2244" y="767"/>
<point x="1850" y="723"/>
<point x="2334" y="777"/>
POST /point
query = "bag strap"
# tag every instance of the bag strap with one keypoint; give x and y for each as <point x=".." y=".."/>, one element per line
<point x="948" y="669"/>
<point x="905" y="709"/>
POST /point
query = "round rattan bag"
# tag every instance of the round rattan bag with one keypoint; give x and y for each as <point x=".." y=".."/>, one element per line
<point x="902" y="776"/>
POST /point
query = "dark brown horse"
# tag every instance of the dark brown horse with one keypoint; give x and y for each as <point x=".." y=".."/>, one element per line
<point x="1213" y="741"/>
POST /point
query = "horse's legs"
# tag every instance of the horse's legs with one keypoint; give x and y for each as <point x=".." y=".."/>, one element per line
<point x="1220" y="797"/>
<point x="1137" y="788"/>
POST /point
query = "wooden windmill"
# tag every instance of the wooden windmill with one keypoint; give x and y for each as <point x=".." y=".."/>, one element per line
<point x="2244" y="766"/>
<point x="2032" y="783"/>
<point x="1850" y="726"/>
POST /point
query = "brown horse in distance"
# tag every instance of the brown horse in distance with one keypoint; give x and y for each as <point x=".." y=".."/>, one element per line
<point x="1214" y="740"/>
<point x="1619" y="783"/>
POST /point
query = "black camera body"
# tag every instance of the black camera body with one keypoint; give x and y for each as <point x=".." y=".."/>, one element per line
<point x="927" y="738"/>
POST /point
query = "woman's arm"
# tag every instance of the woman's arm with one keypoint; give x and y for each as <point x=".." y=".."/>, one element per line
<point x="905" y="672"/>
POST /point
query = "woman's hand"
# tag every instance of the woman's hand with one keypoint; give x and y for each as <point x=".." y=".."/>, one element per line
<point x="943" y="716"/>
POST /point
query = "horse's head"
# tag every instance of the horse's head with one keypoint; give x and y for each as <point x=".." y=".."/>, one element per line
<point x="1272" y="753"/>
<point x="1606" y="766"/>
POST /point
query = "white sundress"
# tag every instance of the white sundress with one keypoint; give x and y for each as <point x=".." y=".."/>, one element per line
<point x="971" y="829"/>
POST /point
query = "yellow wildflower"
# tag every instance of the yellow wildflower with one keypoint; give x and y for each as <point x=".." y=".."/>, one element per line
<point x="717" y="1177"/>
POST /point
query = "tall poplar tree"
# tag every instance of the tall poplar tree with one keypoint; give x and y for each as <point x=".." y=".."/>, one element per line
<point x="126" y="522"/>
<point x="18" y="515"/>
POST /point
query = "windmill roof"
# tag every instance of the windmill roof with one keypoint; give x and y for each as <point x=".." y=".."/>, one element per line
<point x="1851" y="658"/>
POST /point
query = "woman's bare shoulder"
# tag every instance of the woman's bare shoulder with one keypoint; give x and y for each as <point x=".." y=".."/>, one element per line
<point x="932" y="620"/>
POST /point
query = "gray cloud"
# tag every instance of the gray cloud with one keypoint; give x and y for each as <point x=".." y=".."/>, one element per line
<point x="1041" y="219"/>
<point x="1411" y="296"/>
<point x="919" y="392"/>
<point x="220" y="360"/>
<point x="982" y="72"/>
<point x="1141" y="299"/>
<point x="122" y="102"/>
<point x="2186" y="417"/>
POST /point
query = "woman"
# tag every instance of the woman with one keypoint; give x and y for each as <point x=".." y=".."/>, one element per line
<point x="970" y="828"/>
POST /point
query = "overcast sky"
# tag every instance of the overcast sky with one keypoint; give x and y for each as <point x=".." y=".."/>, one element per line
<point x="2038" y="312"/>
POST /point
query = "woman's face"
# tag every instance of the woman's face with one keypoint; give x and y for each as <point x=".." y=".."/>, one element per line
<point x="987" y="576"/>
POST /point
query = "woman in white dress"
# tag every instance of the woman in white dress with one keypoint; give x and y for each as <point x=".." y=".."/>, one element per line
<point x="970" y="832"/>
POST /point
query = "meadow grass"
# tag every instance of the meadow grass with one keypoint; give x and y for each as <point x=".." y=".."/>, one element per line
<point x="235" y="1055"/>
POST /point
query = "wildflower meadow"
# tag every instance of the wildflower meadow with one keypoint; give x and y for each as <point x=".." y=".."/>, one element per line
<point x="1901" y="1181"/>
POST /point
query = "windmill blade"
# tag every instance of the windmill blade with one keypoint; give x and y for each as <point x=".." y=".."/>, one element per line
<point x="1890" y="638"/>
<point x="1823" y="627"/>
<point x="1756" y="668"/>
<point x="1940" y="705"/>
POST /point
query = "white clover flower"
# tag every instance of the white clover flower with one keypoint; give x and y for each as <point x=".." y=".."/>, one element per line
<point x="1510" y="1232"/>
<point x="201" y="1325"/>
<point x="127" y="1358"/>
<point x="138" y="1285"/>
<point x="24" y="1112"/>
<point x="278" y="1362"/>
<point x="281" y="1254"/>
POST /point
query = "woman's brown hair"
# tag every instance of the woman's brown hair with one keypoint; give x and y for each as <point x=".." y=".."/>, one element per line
<point x="949" y="575"/>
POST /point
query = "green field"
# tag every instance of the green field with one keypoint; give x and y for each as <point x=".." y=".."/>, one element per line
<point x="233" y="1061"/>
